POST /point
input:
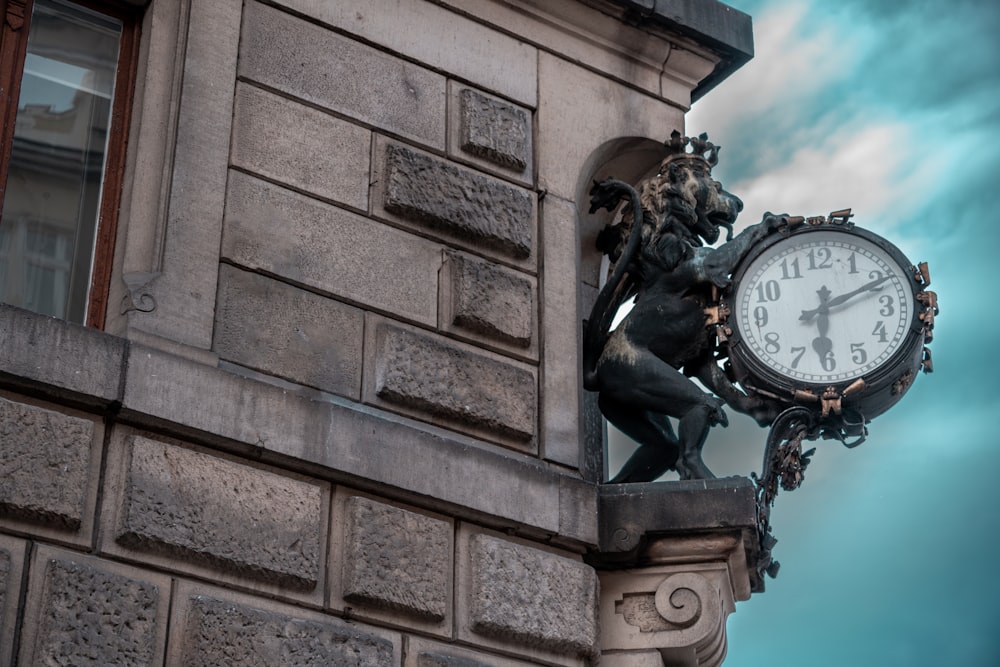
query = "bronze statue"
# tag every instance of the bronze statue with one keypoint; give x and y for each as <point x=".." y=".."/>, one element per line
<point x="642" y="368"/>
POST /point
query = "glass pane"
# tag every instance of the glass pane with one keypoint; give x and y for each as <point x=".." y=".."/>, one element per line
<point x="51" y="207"/>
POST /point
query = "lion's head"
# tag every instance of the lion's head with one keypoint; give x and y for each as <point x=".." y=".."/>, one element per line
<point x="683" y="197"/>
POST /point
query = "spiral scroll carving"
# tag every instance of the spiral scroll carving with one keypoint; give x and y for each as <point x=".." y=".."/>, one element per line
<point x="680" y="598"/>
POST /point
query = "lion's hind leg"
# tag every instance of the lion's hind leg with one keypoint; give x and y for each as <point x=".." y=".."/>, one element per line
<point x="658" y="445"/>
<point x="637" y="394"/>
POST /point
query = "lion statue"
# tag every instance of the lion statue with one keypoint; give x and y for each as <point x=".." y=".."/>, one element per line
<point x="662" y="256"/>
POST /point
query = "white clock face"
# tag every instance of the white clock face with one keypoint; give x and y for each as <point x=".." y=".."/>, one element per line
<point x="824" y="307"/>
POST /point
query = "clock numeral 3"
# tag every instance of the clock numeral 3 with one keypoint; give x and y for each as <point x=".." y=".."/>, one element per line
<point x="887" y="308"/>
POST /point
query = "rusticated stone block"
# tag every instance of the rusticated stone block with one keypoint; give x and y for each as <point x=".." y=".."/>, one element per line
<point x="396" y="559"/>
<point x="441" y="660"/>
<point x="476" y="208"/>
<point x="532" y="597"/>
<point x="222" y="514"/>
<point x="492" y="301"/>
<point x="495" y="130"/>
<point x="88" y="616"/>
<point x="442" y="379"/>
<point x="286" y="331"/>
<point x="227" y="633"/>
<point x="44" y="463"/>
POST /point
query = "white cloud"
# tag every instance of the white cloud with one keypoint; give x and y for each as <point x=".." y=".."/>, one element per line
<point x="869" y="169"/>
<point x="788" y="67"/>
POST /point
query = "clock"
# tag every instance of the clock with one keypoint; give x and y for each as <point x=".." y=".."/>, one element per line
<point x="831" y="314"/>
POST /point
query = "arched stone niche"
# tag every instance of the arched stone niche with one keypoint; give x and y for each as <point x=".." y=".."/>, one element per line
<point x="628" y="159"/>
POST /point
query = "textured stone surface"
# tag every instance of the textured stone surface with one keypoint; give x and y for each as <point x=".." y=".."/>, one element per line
<point x="4" y="583"/>
<point x="575" y="136"/>
<point x="445" y="40"/>
<point x="396" y="559"/>
<point x="285" y="331"/>
<point x="42" y="350"/>
<point x="476" y="208"/>
<point x="562" y="438"/>
<point x="215" y="512"/>
<point x="284" y="233"/>
<point x="12" y="552"/>
<point x="92" y="617"/>
<point x="443" y="660"/>
<point x="490" y="300"/>
<point x="532" y="597"/>
<point x="441" y="378"/>
<point x="298" y="145"/>
<point x="44" y="464"/>
<point x="495" y="130"/>
<point x="226" y="633"/>
<point x="322" y="67"/>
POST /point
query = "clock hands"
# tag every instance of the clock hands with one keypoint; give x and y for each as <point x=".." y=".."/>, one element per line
<point x="826" y="305"/>
<point x="823" y="345"/>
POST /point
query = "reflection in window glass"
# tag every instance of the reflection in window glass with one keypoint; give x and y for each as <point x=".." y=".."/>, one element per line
<point x="52" y="202"/>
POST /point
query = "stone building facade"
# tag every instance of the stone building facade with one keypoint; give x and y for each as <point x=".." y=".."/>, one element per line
<point x="334" y="414"/>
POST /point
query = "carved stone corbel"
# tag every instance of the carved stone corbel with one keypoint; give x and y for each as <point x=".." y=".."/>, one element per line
<point x="673" y="561"/>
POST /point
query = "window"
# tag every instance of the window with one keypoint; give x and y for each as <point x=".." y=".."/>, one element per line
<point x="65" y="90"/>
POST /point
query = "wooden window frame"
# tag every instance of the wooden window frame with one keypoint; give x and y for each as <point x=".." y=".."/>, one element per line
<point x="13" y="46"/>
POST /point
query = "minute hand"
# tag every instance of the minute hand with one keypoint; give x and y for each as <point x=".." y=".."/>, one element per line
<point x="837" y="300"/>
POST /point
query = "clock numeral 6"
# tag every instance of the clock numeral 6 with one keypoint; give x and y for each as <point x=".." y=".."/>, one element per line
<point x="827" y="361"/>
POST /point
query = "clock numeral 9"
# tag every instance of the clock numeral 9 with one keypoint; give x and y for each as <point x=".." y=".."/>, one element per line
<point x="760" y="316"/>
<point x="769" y="291"/>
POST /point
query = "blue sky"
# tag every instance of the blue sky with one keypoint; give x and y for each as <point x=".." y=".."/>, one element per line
<point x="890" y="107"/>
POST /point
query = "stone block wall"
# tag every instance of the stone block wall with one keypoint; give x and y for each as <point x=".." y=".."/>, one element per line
<point x="210" y="558"/>
<point x="335" y="414"/>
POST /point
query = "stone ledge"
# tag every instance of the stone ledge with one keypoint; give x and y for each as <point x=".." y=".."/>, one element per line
<point x="355" y="442"/>
<point x="713" y="513"/>
<point x="68" y="360"/>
